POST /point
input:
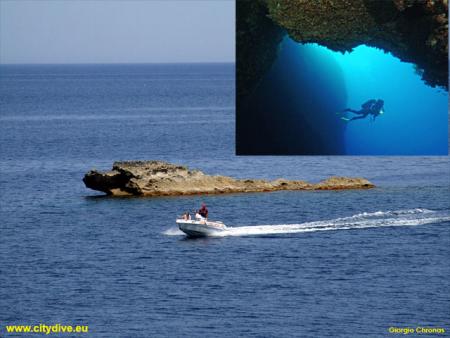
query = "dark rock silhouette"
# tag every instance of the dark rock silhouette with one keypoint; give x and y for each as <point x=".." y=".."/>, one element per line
<point x="415" y="31"/>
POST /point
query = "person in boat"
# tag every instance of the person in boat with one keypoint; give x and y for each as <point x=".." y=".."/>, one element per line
<point x="371" y="107"/>
<point x="203" y="211"/>
<point x="187" y="216"/>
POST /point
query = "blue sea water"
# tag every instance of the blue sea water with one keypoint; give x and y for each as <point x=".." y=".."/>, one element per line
<point x="415" y="118"/>
<point x="305" y="264"/>
<point x="301" y="98"/>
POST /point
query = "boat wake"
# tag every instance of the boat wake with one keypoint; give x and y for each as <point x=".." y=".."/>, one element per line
<point x="410" y="217"/>
<point x="173" y="232"/>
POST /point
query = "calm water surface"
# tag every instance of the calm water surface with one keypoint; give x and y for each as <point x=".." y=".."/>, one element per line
<point x="327" y="264"/>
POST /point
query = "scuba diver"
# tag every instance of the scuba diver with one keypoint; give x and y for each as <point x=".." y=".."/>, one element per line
<point x="371" y="107"/>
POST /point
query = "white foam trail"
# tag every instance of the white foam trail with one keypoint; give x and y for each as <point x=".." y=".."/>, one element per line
<point x="324" y="226"/>
<point x="409" y="217"/>
<point x="173" y="232"/>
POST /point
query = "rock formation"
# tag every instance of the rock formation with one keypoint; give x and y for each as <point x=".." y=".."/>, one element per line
<point x="415" y="31"/>
<point x="257" y="40"/>
<point x="157" y="178"/>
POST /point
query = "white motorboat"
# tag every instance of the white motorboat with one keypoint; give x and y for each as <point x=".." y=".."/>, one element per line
<point x="200" y="227"/>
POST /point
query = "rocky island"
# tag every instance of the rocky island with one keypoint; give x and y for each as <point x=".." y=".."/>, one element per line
<point x="158" y="178"/>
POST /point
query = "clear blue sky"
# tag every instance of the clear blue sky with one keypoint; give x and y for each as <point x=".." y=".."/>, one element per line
<point x="65" y="31"/>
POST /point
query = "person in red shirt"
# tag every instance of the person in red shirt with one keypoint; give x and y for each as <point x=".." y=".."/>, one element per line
<point x="203" y="211"/>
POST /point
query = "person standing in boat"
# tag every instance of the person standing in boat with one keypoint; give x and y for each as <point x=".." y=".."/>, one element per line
<point x="203" y="211"/>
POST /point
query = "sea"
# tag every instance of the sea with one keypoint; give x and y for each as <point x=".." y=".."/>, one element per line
<point x="293" y="264"/>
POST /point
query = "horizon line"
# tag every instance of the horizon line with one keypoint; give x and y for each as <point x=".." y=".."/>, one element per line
<point x="113" y="63"/>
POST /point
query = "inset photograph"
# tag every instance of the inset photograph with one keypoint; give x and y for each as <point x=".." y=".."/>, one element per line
<point x="356" y="77"/>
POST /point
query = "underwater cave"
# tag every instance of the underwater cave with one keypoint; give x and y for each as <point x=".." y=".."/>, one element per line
<point x="292" y="83"/>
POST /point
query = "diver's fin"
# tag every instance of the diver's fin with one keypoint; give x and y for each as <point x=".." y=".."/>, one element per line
<point x="345" y="119"/>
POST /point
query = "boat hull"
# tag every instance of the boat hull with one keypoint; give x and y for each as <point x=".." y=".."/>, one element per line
<point x="200" y="229"/>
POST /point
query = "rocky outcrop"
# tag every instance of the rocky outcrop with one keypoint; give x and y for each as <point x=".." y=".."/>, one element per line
<point x="257" y="40"/>
<point x="415" y="31"/>
<point x="157" y="178"/>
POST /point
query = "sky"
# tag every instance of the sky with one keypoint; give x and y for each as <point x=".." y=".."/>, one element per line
<point x="116" y="31"/>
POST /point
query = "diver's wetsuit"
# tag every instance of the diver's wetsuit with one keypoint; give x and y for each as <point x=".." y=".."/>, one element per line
<point x="371" y="107"/>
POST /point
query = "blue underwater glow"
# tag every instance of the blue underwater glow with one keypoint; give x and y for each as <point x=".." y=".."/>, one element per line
<point x="415" y="121"/>
<point x="292" y="111"/>
<point x="297" y="107"/>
